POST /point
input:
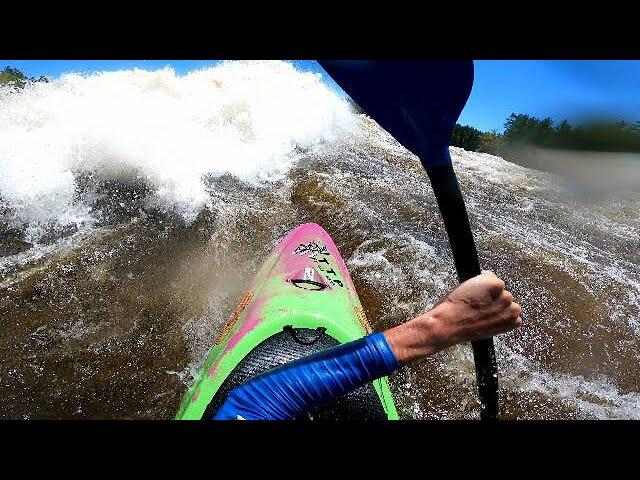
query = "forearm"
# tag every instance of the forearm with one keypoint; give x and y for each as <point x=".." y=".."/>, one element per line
<point x="417" y="338"/>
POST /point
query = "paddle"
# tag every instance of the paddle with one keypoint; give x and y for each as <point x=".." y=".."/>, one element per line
<point x="419" y="102"/>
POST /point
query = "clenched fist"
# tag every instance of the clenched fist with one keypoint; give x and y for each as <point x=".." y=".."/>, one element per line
<point x="477" y="309"/>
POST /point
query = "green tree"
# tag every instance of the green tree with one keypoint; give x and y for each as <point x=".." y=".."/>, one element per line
<point x="491" y="142"/>
<point x="465" y="136"/>
<point x="17" y="78"/>
<point x="522" y="128"/>
<point x="13" y="75"/>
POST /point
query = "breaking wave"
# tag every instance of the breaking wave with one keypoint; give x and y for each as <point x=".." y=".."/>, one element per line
<point x="156" y="133"/>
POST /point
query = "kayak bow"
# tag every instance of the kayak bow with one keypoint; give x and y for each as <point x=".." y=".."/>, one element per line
<point x="302" y="300"/>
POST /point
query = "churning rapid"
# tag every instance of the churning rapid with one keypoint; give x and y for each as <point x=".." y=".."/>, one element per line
<point x="134" y="204"/>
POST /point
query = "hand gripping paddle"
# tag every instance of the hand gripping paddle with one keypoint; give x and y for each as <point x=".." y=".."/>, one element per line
<point x="419" y="102"/>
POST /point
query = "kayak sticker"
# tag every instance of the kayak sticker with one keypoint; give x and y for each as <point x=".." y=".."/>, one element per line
<point x="309" y="279"/>
<point x="246" y="299"/>
<point x="311" y="250"/>
<point x="319" y="253"/>
<point x="309" y="274"/>
<point x="363" y="319"/>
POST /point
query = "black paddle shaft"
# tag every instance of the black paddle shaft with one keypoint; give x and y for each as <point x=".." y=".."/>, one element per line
<point x="456" y="222"/>
<point x="419" y="102"/>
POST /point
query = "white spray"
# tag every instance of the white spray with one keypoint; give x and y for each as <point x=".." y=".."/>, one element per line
<point x="249" y="119"/>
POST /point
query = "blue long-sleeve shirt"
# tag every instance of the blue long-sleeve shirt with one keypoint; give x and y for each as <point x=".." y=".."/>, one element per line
<point x="291" y="389"/>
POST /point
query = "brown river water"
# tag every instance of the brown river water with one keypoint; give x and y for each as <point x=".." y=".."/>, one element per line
<point x="110" y="319"/>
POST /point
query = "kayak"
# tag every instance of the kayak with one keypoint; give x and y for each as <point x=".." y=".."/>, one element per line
<point x="301" y="301"/>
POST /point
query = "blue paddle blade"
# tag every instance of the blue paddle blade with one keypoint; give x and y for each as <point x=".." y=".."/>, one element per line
<point x="417" y="102"/>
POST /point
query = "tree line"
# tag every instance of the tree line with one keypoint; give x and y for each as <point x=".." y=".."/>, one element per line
<point x="519" y="129"/>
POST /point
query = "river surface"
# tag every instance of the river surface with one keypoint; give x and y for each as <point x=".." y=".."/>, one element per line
<point x="134" y="206"/>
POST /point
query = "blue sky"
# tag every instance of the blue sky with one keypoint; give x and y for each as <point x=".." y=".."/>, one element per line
<point x="557" y="88"/>
<point x="560" y="89"/>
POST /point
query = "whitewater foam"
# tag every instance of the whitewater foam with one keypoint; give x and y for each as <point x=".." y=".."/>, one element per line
<point x="166" y="131"/>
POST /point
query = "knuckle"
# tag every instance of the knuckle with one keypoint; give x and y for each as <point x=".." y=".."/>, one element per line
<point x="496" y="286"/>
<point x="506" y="297"/>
